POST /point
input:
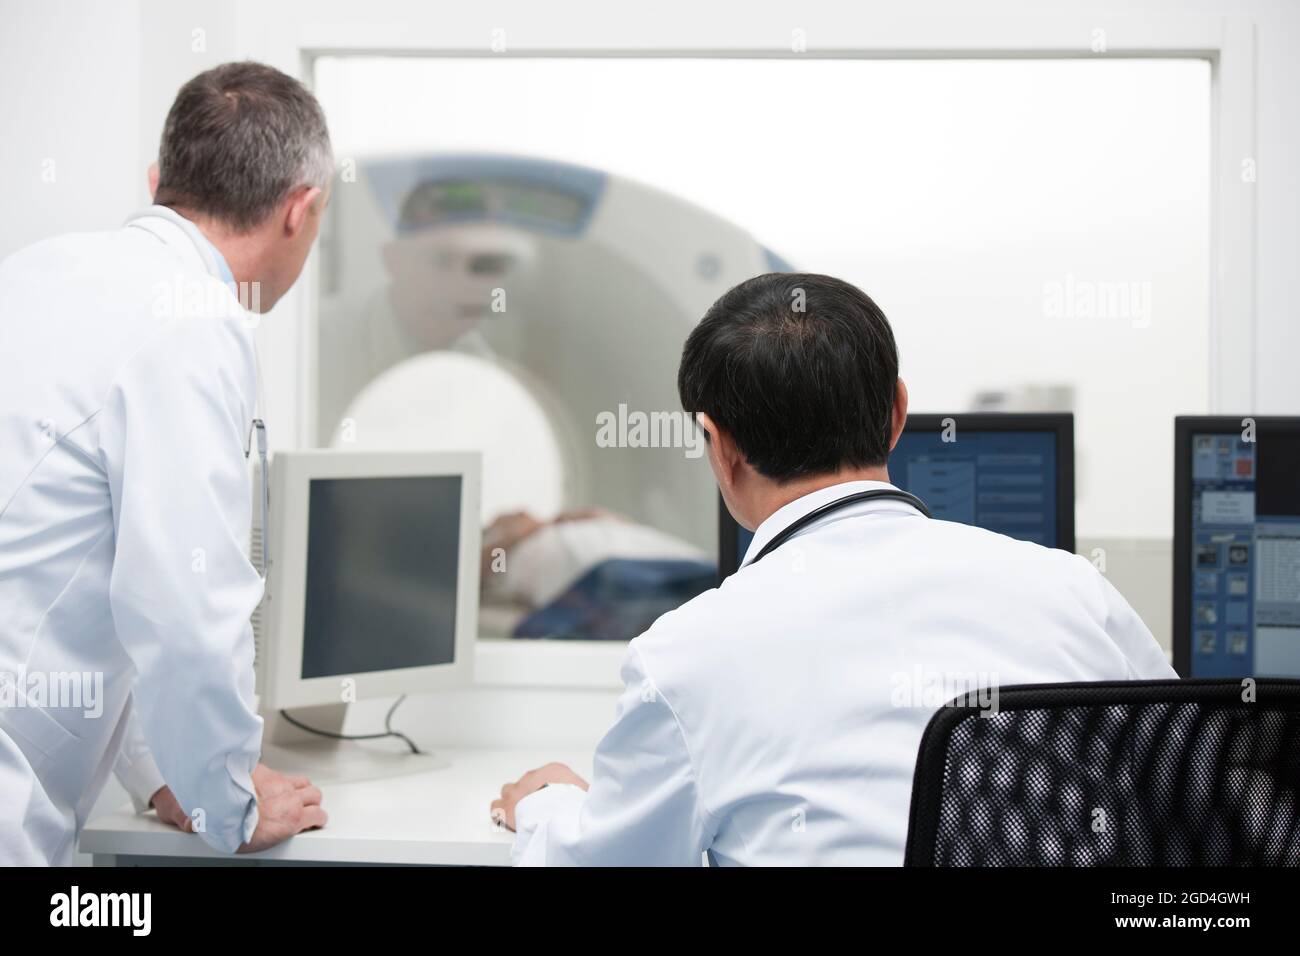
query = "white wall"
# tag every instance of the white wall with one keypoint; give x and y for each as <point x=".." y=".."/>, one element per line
<point x="69" y="116"/>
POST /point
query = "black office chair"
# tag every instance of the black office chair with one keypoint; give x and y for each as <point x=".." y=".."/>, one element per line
<point x="1136" y="773"/>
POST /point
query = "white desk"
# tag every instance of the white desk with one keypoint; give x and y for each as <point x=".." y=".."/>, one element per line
<point x="441" y="817"/>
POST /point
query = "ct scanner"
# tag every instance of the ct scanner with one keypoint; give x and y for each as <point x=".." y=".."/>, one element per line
<point x="501" y="303"/>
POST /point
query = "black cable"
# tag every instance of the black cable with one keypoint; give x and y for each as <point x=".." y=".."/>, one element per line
<point x="388" y="729"/>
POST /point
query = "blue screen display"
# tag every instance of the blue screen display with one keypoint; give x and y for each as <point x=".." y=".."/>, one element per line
<point x="1000" y="481"/>
<point x="1004" y="481"/>
<point x="1245" y="562"/>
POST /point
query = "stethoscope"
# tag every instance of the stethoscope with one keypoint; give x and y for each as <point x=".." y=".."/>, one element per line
<point x="875" y="494"/>
<point x="257" y="427"/>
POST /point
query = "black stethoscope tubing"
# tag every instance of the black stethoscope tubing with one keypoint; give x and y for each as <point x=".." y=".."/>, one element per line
<point x="875" y="494"/>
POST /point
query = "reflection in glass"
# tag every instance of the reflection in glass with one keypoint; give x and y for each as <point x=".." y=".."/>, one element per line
<point x="535" y="311"/>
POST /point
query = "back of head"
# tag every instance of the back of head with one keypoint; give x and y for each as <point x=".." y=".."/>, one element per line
<point x="800" y="369"/>
<point x="238" y="140"/>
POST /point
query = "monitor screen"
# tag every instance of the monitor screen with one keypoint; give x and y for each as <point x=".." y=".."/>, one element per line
<point x="1237" y="589"/>
<point x="1009" y="473"/>
<point x="1002" y="481"/>
<point x="382" y="562"/>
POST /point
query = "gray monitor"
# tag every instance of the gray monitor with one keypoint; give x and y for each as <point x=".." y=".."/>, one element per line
<point x="374" y="581"/>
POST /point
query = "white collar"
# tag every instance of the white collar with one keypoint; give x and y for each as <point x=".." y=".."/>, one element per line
<point x="172" y="229"/>
<point x="157" y="219"/>
<point x="788" y="514"/>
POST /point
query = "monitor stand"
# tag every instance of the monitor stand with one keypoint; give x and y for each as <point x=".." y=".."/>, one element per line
<point x="297" y="752"/>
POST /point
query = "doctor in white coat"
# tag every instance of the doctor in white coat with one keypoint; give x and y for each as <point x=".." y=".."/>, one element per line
<point x="128" y="389"/>
<point x="776" y="719"/>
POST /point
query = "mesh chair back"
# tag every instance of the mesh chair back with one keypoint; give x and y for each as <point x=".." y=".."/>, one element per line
<point x="1137" y="773"/>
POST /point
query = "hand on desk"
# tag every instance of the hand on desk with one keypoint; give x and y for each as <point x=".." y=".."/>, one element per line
<point x="170" y="811"/>
<point x="503" y="808"/>
<point x="285" y="806"/>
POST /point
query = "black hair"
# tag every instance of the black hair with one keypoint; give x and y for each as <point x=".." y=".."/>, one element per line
<point x="801" y="369"/>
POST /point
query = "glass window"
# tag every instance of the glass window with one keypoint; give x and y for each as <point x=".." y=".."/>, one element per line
<point x="517" y="249"/>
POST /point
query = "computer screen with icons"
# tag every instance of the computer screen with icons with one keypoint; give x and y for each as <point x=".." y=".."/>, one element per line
<point x="1012" y="473"/>
<point x="1237" y="546"/>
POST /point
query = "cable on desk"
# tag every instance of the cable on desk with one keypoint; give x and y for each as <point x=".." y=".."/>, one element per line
<point x="388" y="729"/>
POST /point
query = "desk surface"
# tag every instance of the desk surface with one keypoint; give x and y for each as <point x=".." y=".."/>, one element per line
<point x="440" y="817"/>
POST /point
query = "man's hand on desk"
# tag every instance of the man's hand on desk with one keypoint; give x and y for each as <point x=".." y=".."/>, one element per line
<point x="503" y="809"/>
<point x="285" y="806"/>
<point x="170" y="811"/>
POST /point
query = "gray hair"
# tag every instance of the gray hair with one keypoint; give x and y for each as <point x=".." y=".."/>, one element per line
<point x="238" y="140"/>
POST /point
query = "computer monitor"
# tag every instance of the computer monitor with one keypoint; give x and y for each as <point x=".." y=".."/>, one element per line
<point x="1008" y="472"/>
<point x="1236" y="546"/>
<point x="373" y="586"/>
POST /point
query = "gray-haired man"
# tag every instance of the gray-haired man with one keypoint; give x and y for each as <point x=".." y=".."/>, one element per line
<point x="128" y="386"/>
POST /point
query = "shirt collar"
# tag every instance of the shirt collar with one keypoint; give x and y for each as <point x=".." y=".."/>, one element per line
<point x="788" y="514"/>
<point x="213" y="262"/>
<point x="223" y="270"/>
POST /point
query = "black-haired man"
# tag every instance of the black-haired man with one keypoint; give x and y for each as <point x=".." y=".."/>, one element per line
<point x="776" y="719"/>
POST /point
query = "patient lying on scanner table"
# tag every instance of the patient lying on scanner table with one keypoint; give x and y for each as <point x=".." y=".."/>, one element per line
<point x="586" y="575"/>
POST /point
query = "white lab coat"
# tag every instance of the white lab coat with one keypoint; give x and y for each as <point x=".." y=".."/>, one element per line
<point x="776" y="719"/>
<point x="127" y="387"/>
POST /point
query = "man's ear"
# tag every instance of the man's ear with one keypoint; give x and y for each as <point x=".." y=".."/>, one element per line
<point x="299" y="206"/>
<point x="723" y="454"/>
<point x="153" y="180"/>
<point x="900" y="414"/>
